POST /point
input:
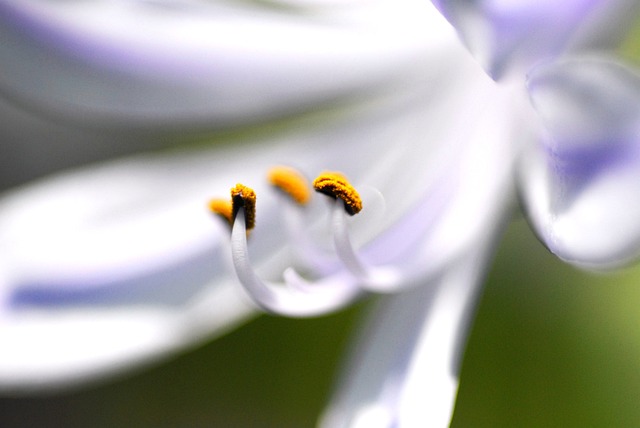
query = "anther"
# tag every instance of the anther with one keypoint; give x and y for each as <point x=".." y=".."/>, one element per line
<point x="291" y="182"/>
<point x="222" y="208"/>
<point x="244" y="197"/>
<point x="337" y="186"/>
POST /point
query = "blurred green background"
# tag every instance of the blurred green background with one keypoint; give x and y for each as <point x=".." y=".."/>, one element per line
<point x="551" y="347"/>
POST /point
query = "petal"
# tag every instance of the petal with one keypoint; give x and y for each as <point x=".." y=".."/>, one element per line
<point x="404" y="372"/>
<point x="100" y="273"/>
<point x="503" y="34"/>
<point x="184" y="63"/>
<point x="64" y="100"/>
<point x="580" y="183"/>
<point x="48" y="350"/>
<point x="470" y="186"/>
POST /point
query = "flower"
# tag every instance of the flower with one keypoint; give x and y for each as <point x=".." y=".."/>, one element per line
<point x="114" y="264"/>
<point x="120" y="263"/>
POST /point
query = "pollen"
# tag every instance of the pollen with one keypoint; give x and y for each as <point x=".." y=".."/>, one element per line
<point x="336" y="185"/>
<point x="222" y="208"/>
<point x="244" y="197"/>
<point x="291" y="182"/>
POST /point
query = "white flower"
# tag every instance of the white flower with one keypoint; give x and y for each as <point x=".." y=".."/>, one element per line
<point x="120" y="263"/>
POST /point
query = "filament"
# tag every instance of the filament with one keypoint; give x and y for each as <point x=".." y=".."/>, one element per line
<point x="295" y="297"/>
<point x="380" y="279"/>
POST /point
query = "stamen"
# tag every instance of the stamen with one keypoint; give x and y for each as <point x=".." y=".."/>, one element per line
<point x="295" y="191"/>
<point x="244" y="197"/>
<point x="306" y="251"/>
<point x="222" y="208"/>
<point x="370" y="278"/>
<point x="295" y="297"/>
<point x="291" y="182"/>
<point x="336" y="185"/>
<point x="379" y="279"/>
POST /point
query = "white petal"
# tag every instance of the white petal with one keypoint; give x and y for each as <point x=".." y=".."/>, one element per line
<point x="47" y="349"/>
<point x="181" y="63"/>
<point x="404" y="372"/>
<point x="581" y="183"/>
<point x="64" y="100"/>
<point x="507" y="33"/>
<point x="468" y="194"/>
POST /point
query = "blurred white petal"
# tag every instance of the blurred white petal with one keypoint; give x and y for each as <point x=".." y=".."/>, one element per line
<point x="46" y="349"/>
<point x="203" y="63"/>
<point x="580" y="183"/>
<point x="404" y="371"/>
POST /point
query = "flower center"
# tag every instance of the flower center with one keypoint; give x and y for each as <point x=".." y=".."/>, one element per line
<point x="340" y="278"/>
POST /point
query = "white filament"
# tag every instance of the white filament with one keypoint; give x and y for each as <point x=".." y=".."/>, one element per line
<point x="295" y="297"/>
<point x="305" y="252"/>
<point x="379" y="279"/>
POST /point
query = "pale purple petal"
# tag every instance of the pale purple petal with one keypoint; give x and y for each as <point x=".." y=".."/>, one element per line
<point x="503" y="34"/>
<point x="581" y="182"/>
<point x="65" y="100"/>
<point x="47" y="350"/>
<point x="206" y="63"/>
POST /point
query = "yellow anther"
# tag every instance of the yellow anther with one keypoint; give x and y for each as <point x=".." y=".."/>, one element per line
<point x="221" y="207"/>
<point x="336" y="185"/>
<point x="291" y="182"/>
<point x="244" y="197"/>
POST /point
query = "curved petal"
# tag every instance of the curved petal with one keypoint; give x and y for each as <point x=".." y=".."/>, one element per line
<point x="580" y="184"/>
<point x="46" y="349"/>
<point x="404" y="372"/>
<point x="208" y="63"/>
<point x="65" y="100"/>
<point x="507" y="33"/>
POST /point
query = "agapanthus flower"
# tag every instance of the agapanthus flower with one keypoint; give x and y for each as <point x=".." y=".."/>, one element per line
<point x="121" y="262"/>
